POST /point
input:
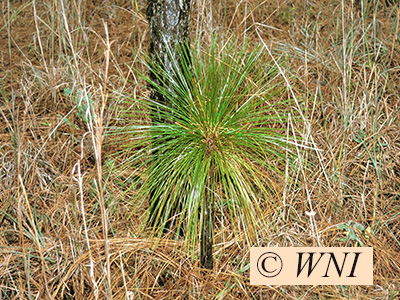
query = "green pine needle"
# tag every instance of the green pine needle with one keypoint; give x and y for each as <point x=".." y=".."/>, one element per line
<point x="222" y="137"/>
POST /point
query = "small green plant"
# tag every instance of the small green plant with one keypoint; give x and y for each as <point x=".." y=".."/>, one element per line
<point x="84" y="104"/>
<point x="66" y="121"/>
<point x="352" y="228"/>
<point x="211" y="153"/>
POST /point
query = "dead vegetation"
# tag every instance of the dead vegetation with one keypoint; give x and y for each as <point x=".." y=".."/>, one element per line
<point x="68" y="229"/>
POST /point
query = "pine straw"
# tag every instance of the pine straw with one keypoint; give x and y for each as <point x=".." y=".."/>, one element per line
<point x="52" y="241"/>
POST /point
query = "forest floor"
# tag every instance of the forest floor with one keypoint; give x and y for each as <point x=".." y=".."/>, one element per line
<point x="69" y="229"/>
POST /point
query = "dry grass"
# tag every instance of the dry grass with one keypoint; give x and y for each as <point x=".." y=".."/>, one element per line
<point x="68" y="230"/>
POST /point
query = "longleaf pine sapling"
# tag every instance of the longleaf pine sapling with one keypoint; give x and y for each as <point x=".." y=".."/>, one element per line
<point x="225" y="140"/>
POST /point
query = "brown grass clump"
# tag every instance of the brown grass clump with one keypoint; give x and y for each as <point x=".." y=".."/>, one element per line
<point x="68" y="229"/>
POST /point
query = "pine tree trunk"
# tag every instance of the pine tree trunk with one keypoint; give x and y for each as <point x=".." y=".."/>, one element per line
<point x="206" y="234"/>
<point x="207" y="226"/>
<point x="169" y="22"/>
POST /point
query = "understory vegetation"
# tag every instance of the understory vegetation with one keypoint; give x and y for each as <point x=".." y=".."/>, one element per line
<point x="287" y="122"/>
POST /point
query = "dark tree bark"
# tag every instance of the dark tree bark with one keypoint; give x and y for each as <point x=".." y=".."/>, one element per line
<point x="207" y="230"/>
<point x="169" y="22"/>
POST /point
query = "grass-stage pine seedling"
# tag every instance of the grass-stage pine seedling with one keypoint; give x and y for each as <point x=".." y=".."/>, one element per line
<point x="210" y="151"/>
